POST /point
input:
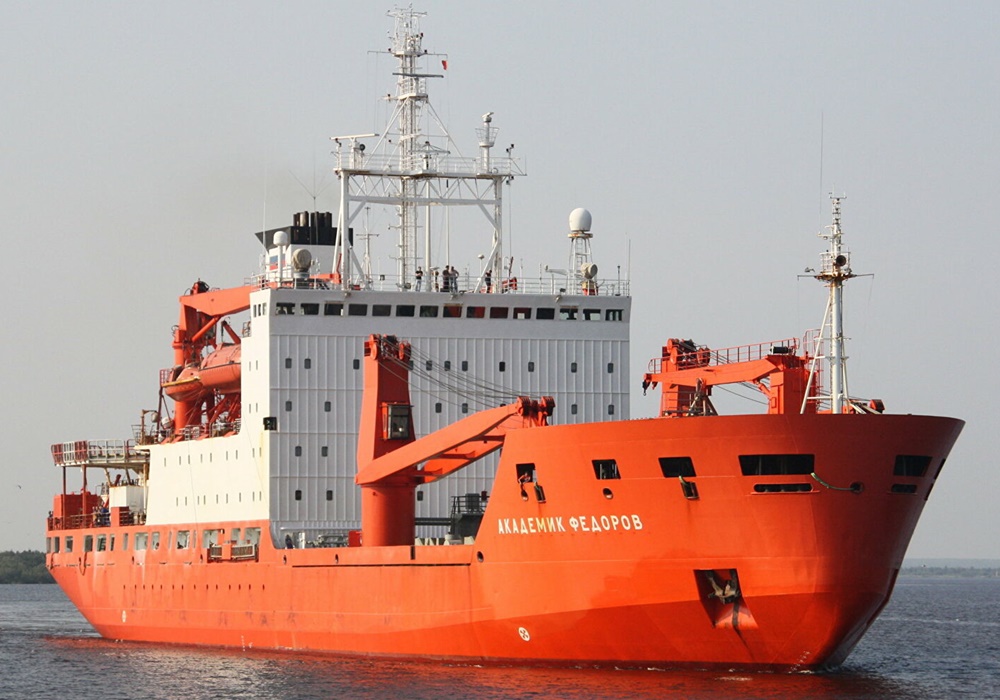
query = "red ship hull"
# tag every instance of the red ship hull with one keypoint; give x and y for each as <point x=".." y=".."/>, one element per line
<point x="622" y="571"/>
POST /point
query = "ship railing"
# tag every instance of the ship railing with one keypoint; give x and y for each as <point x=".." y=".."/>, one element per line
<point x="469" y="283"/>
<point x="237" y="552"/>
<point x="702" y="356"/>
<point x="425" y="163"/>
<point x="108" y="453"/>
<point x="96" y="519"/>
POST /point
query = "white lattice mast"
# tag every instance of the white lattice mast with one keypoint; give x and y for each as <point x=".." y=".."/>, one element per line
<point x="834" y="271"/>
<point x="414" y="170"/>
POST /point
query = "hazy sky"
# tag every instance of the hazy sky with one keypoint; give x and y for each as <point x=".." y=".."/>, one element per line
<point x="144" y="142"/>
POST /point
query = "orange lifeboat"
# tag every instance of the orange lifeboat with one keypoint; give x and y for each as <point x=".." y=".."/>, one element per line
<point x="218" y="372"/>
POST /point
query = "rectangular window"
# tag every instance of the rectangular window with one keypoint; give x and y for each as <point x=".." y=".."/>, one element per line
<point x="310" y="309"/>
<point x="437" y="407"/>
<point x="298" y="494"/>
<point x="672" y="467"/>
<point x="613" y="315"/>
<point x="606" y="469"/>
<point x="333" y="308"/>
<point x="405" y="310"/>
<point x="465" y="365"/>
<point x="545" y="314"/>
<point x="329" y="495"/>
<point x="465" y="408"/>
<point x="288" y="363"/>
<point x="592" y="314"/>
<point x="567" y="313"/>
<point x="141" y="541"/>
<point x="183" y="539"/>
<point x="447" y="365"/>
<point x="911" y="465"/>
<point x="429" y="365"/>
<point x="611" y="368"/>
<point x="357" y="309"/>
<point x="284" y="308"/>
<point x="611" y="409"/>
<point x="271" y="423"/>
<point x="298" y="450"/>
<point x="503" y="366"/>
<point x="573" y="409"/>
<point x="525" y="473"/>
<point x="904" y="488"/>
<point x="765" y="465"/>
<point x="572" y="367"/>
<point x="522" y="313"/>
<point x="356" y="363"/>
<point x="288" y="405"/>
<point x="531" y="366"/>
<point x="307" y="363"/>
<point x="154" y="540"/>
<point x="428" y="311"/>
<point x="499" y="312"/>
<point x="327" y="406"/>
<point x="453" y="311"/>
<point x="381" y="309"/>
<point x="69" y="543"/>
<point x="125" y="542"/>
<point x="475" y="312"/>
<point x="88" y="543"/>
<point x="102" y="543"/>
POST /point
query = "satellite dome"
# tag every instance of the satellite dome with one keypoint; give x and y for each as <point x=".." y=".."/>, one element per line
<point x="579" y="220"/>
<point x="281" y="238"/>
<point x="301" y="260"/>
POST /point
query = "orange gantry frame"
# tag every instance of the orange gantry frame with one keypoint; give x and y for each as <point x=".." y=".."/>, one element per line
<point x="195" y="383"/>
<point x="688" y="372"/>
<point x="391" y="463"/>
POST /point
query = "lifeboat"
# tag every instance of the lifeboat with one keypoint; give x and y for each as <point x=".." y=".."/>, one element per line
<point x="218" y="372"/>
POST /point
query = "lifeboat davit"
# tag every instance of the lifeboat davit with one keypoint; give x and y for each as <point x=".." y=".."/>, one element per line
<point x="218" y="372"/>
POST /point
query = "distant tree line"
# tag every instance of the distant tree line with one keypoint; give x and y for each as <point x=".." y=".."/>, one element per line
<point x="24" y="567"/>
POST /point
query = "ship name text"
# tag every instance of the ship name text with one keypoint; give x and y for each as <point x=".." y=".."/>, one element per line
<point x="575" y="523"/>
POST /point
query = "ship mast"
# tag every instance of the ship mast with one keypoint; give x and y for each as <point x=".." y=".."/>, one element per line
<point x="415" y="170"/>
<point x="835" y="270"/>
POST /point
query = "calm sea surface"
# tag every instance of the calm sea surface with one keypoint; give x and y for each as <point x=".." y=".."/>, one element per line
<point x="938" y="638"/>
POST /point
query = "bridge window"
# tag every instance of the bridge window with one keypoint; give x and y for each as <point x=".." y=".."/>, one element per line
<point x="499" y="312"/>
<point x="69" y="543"/>
<point x="405" y="310"/>
<point x="475" y="312"/>
<point x="310" y="309"/>
<point x="333" y="308"/>
<point x="522" y="313"/>
<point x="284" y="308"/>
<point x="381" y="309"/>
<point x="567" y="313"/>
<point x="428" y="312"/>
<point x="613" y="315"/>
<point x="592" y="314"/>
<point x="357" y="309"/>
<point x="452" y="311"/>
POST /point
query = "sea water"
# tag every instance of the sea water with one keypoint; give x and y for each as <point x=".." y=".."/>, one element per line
<point x="937" y="638"/>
